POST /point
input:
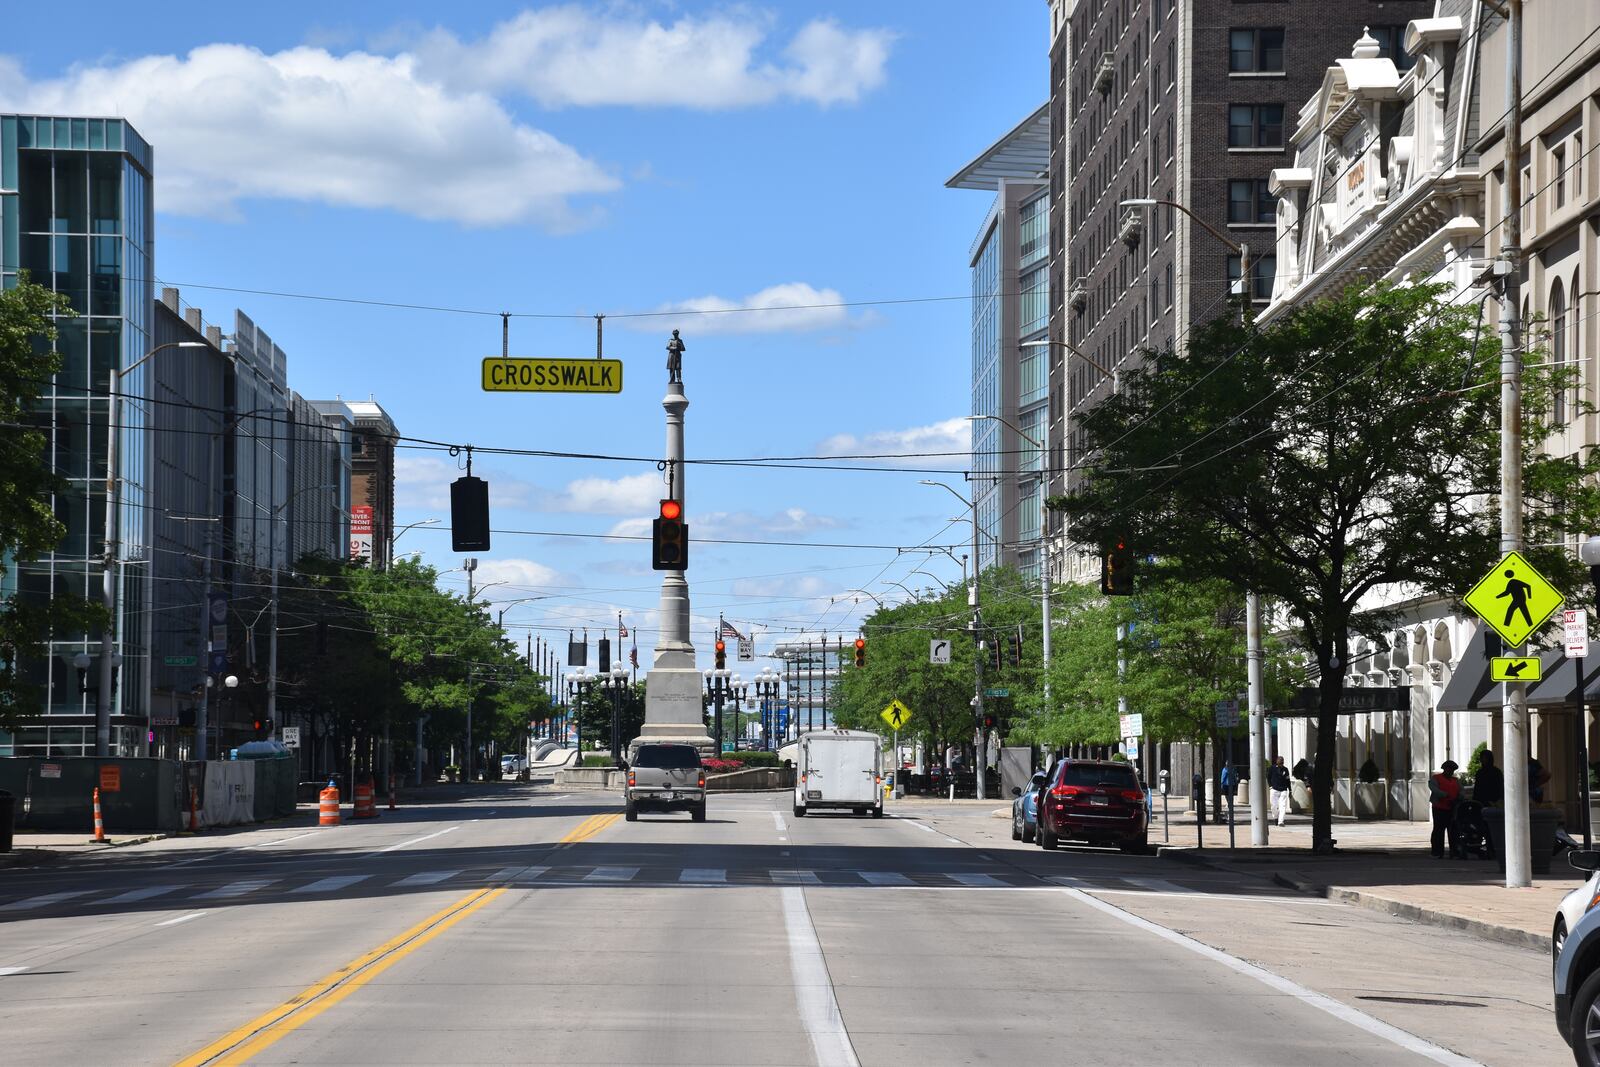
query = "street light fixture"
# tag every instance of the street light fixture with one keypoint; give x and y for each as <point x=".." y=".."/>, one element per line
<point x="615" y="683"/>
<point x="719" y="684"/>
<point x="766" y="683"/>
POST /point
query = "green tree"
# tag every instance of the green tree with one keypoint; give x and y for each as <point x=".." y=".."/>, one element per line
<point x="29" y="614"/>
<point x="1340" y="451"/>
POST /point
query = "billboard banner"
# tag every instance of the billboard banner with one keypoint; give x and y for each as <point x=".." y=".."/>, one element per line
<point x="361" y="531"/>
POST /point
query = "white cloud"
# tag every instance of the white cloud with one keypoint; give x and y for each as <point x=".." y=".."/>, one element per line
<point x="791" y="307"/>
<point x="570" y="55"/>
<point x="634" y="494"/>
<point x="920" y="445"/>
<point x="231" y="123"/>
<point x="423" y="482"/>
<point x="519" y="576"/>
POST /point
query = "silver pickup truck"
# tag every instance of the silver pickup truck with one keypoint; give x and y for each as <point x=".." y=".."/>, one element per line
<point x="666" y="777"/>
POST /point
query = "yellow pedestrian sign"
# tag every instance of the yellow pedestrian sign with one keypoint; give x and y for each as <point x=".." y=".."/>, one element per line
<point x="1514" y="599"/>
<point x="1514" y="668"/>
<point x="896" y="715"/>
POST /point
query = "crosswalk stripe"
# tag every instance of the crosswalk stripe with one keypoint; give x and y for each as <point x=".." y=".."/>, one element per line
<point x="235" y="889"/>
<point x="333" y="884"/>
<point x="43" y="901"/>
<point x="985" y="880"/>
<point x="1069" y="882"/>
<point x="611" y="874"/>
<point x="703" y="874"/>
<point x="506" y="874"/>
<point x="529" y="874"/>
<point x="1157" y="885"/>
<point x="142" y="894"/>
<point x="796" y="877"/>
<point x="427" y="878"/>
<point x="884" y="878"/>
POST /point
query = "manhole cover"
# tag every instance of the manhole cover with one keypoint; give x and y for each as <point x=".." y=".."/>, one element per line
<point x="1427" y="1002"/>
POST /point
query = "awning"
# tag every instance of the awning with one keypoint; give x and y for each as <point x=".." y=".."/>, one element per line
<point x="1471" y="689"/>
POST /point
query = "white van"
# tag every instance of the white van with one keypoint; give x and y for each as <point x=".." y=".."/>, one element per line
<point x="839" y="770"/>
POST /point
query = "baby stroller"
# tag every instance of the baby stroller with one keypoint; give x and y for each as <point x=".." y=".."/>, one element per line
<point x="1472" y="830"/>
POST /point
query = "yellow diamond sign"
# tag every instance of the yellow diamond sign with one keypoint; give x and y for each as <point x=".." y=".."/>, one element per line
<point x="1514" y="599"/>
<point x="896" y="715"/>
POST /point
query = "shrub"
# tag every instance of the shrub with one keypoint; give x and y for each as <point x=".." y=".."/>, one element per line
<point x="1369" y="772"/>
<point x="598" y="761"/>
<point x="758" y="758"/>
<point x="1477" y="760"/>
<point x="721" y="766"/>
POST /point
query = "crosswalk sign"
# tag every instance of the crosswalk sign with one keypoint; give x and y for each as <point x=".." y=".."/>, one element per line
<point x="1514" y="669"/>
<point x="896" y="715"/>
<point x="1514" y="599"/>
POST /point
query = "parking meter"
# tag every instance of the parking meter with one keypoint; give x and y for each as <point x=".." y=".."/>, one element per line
<point x="1162" y="776"/>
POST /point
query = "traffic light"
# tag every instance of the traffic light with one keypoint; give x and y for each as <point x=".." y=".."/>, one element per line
<point x="1014" y="639"/>
<point x="722" y="654"/>
<point x="669" y="539"/>
<point x="469" y="514"/>
<point x="263" y="729"/>
<point x="1116" y="573"/>
<point x="988" y="721"/>
<point x="994" y="654"/>
<point x="861" y="652"/>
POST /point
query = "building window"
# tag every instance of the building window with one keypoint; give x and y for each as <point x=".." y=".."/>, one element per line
<point x="1035" y="286"/>
<point x="1034" y="225"/>
<point x="1255" y="51"/>
<point x="1392" y="45"/>
<point x="1167" y="287"/>
<point x="1263" y="269"/>
<point x="1558" y="350"/>
<point x="1255" y="125"/>
<point x="1558" y="163"/>
<point x="1251" y="201"/>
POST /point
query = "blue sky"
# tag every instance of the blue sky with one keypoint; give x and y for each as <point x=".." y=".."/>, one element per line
<point x="584" y="158"/>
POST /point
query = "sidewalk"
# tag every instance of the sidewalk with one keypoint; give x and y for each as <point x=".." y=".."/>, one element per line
<point x="1385" y="866"/>
<point x="29" y="849"/>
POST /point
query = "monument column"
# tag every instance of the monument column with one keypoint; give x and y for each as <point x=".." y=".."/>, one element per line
<point x="672" y="688"/>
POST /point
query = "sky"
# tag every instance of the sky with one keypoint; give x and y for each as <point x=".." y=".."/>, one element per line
<point x="562" y="161"/>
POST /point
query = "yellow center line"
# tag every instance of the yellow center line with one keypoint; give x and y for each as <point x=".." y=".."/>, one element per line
<point x="590" y="826"/>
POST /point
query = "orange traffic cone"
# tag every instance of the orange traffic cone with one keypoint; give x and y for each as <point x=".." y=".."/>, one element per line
<point x="99" y="824"/>
<point x="328" y="806"/>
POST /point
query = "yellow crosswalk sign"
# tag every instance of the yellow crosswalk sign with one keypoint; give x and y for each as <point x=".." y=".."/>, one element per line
<point x="1514" y="599"/>
<point x="896" y="715"/>
<point x="1514" y="669"/>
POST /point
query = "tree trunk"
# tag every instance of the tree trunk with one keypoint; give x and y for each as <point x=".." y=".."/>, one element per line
<point x="1330" y="688"/>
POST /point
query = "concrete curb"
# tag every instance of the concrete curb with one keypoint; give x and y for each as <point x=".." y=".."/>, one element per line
<point x="1505" y="935"/>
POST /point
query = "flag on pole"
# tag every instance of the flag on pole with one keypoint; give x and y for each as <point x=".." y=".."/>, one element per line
<point x="729" y="630"/>
<point x="622" y="631"/>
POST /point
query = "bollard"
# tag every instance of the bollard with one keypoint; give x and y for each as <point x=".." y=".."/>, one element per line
<point x="391" y="791"/>
<point x="99" y="825"/>
<point x="328" y="806"/>
<point x="194" y="811"/>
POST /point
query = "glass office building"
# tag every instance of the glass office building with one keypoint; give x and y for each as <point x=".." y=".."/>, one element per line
<point x="76" y="215"/>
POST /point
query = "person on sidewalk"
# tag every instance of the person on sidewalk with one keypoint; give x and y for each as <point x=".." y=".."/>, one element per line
<point x="1444" y="789"/>
<point x="1278" y="782"/>
<point x="1489" y="786"/>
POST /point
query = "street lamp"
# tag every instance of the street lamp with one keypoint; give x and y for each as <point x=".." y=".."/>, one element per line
<point x="977" y="632"/>
<point x="718" y="685"/>
<point x="397" y="534"/>
<point x="908" y="592"/>
<point x="1243" y="250"/>
<point x="108" y="579"/>
<point x="578" y="683"/>
<point x="615" y="682"/>
<point x="766" y="683"/>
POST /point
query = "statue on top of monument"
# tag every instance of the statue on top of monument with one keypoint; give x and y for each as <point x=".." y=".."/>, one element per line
<point x="675" y="349"/>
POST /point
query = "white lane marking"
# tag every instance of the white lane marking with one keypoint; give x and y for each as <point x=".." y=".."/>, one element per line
<point x="1261" y="898"/>
<point x="785" y="853"/>
<point x="11" y="970"/>
<point x="43" y="901"/>
<point x="1070" y="882"/>
<point x="414" y="840"/>
<point x="782" y="838"/>
<point x="884" y="878"/>
<point x="427" y="878"/>
<point x="141" y="894"/>
<point x="985" y="881"/>
<point x="181" y="919"/>
<point x="813" y="988"/>
<point x="703" y="874"/>
<point x="1343" y="1012"/>
<point x="1157" y="885"/>
<point x="333" y="884"/>
<point x="795" y="877"/>
<point x="913" y="822"/>
<point x="243" y="848"/>
<point x="235" y="889"/>
<point x="777" y="820"/>
<point x="611" y="874"/>
<point x="281" y="840"/>
<point x="563" y="796"/>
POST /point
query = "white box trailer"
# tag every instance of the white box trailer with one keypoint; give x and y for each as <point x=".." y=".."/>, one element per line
<point x="839" y="770"/>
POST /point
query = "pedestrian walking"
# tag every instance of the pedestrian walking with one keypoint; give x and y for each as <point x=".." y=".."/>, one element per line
<point x="1489" y="785"/>
<point x="1278" y="782"/>
<point x="1444" y="790"/>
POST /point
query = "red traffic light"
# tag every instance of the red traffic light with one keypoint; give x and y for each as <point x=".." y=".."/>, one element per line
<point x="722" y="646"/>
<point x="671" y="509"/>
<point x="861" y="642"/>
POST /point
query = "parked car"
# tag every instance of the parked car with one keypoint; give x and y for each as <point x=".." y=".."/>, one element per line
<point x="666" y="777"/>
<point x="1097" y="801"/>
<point x="1576" y="971"/>
<point x="1025" y="808"/>
<point x="511" y="764"/>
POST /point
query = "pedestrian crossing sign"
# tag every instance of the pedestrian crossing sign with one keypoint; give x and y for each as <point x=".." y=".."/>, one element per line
<point x="1514" y="599"/>
<point x="896" y="715"/>
<point x="1514" y="669"/>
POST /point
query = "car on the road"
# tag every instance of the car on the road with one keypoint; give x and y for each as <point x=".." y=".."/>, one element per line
<point x="1576" y="974"/>
<point x="666" y="777"/>
<point x="511" y="764"/>
<point x="1025" y="808"/>
<point x="1096" y="801"/>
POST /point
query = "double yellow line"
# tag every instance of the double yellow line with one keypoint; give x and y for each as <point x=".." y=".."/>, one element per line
<point x="269" y="1028"/>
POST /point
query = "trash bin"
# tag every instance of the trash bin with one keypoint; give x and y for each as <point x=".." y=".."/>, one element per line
<point x="1542" y="823"/>
<point x="8" y="813"/>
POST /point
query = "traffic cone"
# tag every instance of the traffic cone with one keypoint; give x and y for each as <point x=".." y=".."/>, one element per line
<point x="328" y="806"/>
<point x="99" y="824"/>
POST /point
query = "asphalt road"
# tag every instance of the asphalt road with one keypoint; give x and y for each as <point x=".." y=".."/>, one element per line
<point x="528" y="926"/>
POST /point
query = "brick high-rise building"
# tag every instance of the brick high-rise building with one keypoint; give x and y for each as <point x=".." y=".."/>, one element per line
<point x="371" y="478"/>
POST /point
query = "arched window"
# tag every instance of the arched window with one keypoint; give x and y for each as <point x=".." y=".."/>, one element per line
<point x="1558" y="350"/>
<point x="1575" y="353"/>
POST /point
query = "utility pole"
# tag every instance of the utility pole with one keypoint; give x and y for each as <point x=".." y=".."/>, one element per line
<point x="1258" y="715"/>
<point x="977" y="659"/>
<point x="1514" y="713"/>
<point x="471" y="565"/>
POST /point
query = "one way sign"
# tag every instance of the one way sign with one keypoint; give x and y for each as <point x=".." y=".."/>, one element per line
<point x="1514" y="668"/>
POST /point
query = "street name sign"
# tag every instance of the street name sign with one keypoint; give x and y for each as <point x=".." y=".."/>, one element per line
<point x="938" y="650"/>
<point x="515" y="374"/>
<point x="896" y="715"/>
<point x="997" y="691"/>
<point x="1514" y="668"/>
<point x="1308" y="700"/>
<point x="1514" y="599"/>
<point x="179" y="661"/>
<point x="1575" y="632"/>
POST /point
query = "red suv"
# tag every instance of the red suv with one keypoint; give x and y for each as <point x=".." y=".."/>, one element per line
<point x="1097" y="801"/>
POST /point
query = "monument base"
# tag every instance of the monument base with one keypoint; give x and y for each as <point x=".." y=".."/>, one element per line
<point x="673" y="711"/>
